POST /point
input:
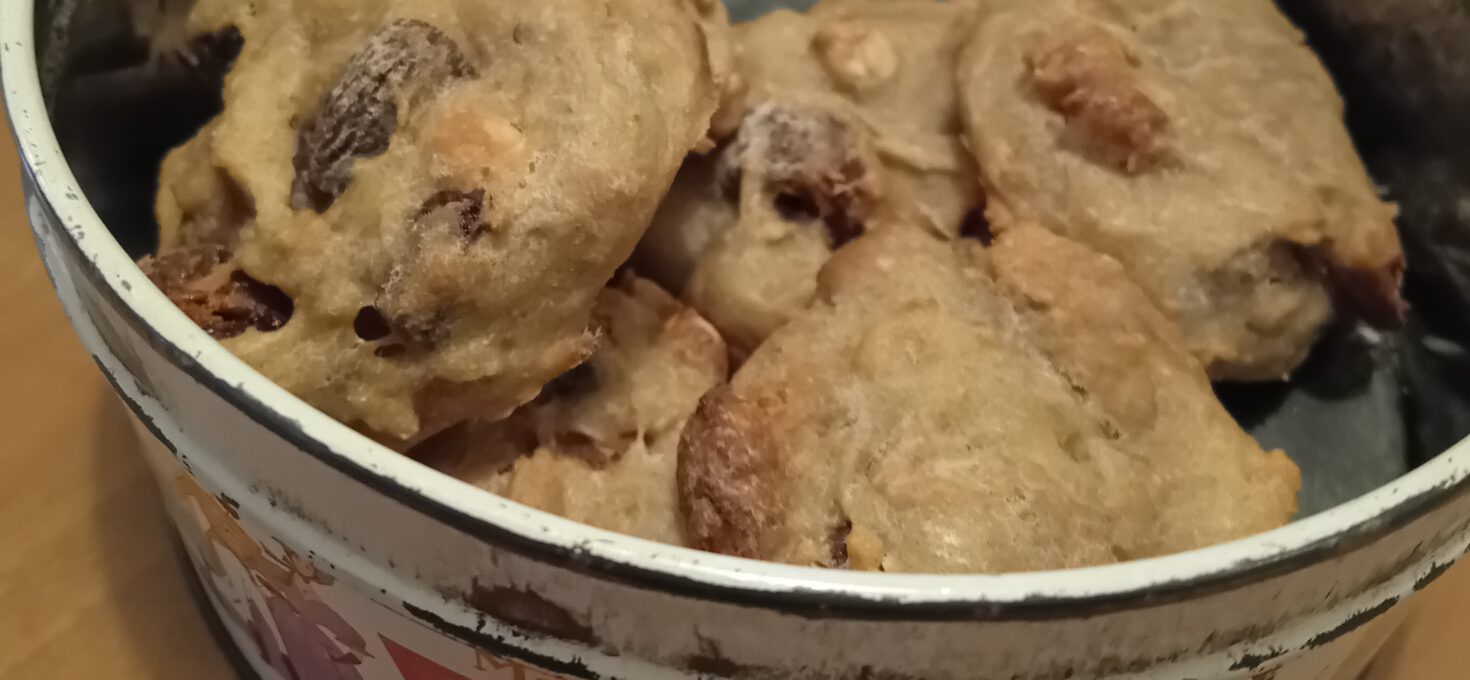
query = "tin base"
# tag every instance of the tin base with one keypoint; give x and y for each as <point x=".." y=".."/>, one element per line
<point x="233" y="653"/>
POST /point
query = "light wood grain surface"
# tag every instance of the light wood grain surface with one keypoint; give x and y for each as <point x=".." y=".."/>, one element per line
<point x="90" y="585"/>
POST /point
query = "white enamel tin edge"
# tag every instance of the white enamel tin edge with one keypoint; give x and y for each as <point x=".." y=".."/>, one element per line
<point x="611" y="600"/>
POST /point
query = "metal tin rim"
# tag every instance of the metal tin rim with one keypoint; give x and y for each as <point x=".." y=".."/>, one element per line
<point x="806" y="591"/>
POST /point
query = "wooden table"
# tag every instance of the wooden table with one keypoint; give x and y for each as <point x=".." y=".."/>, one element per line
<point x="90" y="585"/>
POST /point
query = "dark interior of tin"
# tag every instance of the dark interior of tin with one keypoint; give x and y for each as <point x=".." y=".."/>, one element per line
<point x="1365" y="408"/>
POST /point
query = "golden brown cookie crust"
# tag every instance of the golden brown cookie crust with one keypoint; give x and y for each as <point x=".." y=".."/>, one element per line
<point x="728" y="493"/>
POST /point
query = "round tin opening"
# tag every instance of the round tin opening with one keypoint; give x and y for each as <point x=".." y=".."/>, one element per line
<point x="112" y="271"/>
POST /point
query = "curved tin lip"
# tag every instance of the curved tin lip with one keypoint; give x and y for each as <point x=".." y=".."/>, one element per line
<point x="806" y="591"/>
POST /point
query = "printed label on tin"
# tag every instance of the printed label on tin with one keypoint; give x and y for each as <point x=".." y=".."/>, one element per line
<point x="292" y="617"/>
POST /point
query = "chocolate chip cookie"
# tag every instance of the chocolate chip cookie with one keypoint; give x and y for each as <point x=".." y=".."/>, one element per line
<point x="1199" y="143"/>
<point x="440" y="188"/>
<point x="942" y="408"/>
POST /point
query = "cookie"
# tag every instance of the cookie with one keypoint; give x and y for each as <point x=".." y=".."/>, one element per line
<point x="892" y="64"/>
<point x="856" y="97"/>
<point x="1226" y="185"/>
<point x="441" y="188"/>
<point x="942" y="408"/>
<point x="197" y="203"/>
<point x="799" y="182"/>
<point x="600" y="445"/>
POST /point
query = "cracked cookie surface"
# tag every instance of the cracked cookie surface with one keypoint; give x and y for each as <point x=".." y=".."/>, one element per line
<point x="944" y="408"/>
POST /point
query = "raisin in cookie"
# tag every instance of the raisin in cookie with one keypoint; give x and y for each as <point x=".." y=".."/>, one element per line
<point x="600" y="444"/>
<point x="216" y="296"/>
<point x="947" y="409"/>
<point x="1227" y="185"/>
<point x="798" y="181"/>
<point x="892" y="64"/>
<point x="837" y="116"/>
<point x="442" y="188"/>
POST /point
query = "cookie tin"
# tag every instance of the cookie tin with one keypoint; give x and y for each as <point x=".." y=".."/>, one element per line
<point x="325" y="555"/>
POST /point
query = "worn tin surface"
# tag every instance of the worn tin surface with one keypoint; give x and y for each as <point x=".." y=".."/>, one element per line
<point x="328" y="556"/>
